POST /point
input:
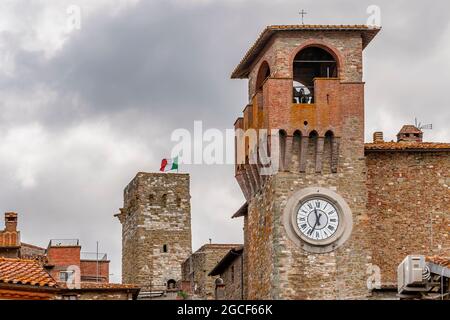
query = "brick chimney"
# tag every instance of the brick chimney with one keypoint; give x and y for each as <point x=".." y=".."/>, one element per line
<point x="10" y="221"/>
<point x="378" y="137"/>
<point x="10" y="237"/>
<point x="410" y="133"/>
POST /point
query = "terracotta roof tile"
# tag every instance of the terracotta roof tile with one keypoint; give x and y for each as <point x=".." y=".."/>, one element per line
<point x="441" y="261"/>
<point x="410" y="129"/>
<point x="27" y="272"/>
<point x="242" y="70"/>
<point x="407" y="146"/>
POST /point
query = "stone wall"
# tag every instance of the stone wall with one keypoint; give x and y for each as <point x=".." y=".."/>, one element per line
<point x="232" y="278"/>
<point x="197" y="267"/>
<point x="156" y="229"/>
<point x="408" y="207"/>
<point x="96" y="295"/>
<point x="275" y="267"/>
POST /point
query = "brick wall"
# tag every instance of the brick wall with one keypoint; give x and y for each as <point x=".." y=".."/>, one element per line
<point x="10" y="237"/>
<point x="408" y="207"/>
<point x="89" y="270"/>
<point x="61" y="258"/>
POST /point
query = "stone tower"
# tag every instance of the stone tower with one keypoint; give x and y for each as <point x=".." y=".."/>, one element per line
<point x="156" y="230"/>
<point x="304" y="224"/>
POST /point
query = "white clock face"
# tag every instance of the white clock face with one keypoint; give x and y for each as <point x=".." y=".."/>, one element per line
<point x="317" y="219"/>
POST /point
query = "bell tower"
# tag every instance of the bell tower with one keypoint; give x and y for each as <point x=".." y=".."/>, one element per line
<point x="304" y="223"/>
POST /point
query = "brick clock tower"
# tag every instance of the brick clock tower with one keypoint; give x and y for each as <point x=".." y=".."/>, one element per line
<point x="156" y="231"/>
<point x="305" y="224"/>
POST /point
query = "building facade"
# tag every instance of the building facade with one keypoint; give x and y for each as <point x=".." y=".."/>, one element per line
<point x="317" y="226"/>
<point x="156" y="231"/>
<point x="197" y="267"/>
<point x="230" y="282"/>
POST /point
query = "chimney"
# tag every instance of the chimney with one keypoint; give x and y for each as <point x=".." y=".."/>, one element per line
<point x="378" y="137"/>
<point x="10" y="221"/>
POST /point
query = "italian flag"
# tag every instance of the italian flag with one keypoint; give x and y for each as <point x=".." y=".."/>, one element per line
<point x="169" y="164"/>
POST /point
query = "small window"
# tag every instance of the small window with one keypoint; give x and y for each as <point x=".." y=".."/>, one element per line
<point x="165" y="248"/>
<point x="151" y="198"/>
<point x="178" y="202"/>
<point x="66" y="276"/>
<point x="164" y="200"/>
<point x="171" y="284"/>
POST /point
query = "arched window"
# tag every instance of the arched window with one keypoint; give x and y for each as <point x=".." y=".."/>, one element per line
<point x="263" y="74"/>
<point x="171" y="284"/>
<point x="296" y="149"/>
<point x="164" y="200"/>
<point x="312" y="151"/>
<point x="311" y="63"/>
<point x="328" y="152"/>
<point x="283" y="138"/>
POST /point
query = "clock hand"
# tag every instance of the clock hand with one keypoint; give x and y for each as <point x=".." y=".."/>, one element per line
<point x="315" y="224"/>
<point x="317" y="216"/>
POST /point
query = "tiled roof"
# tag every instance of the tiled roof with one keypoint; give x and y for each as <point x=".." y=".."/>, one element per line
<point x="242" y="211"/>
<point x="410" y="129"/>
<point x="441" y="261"/>
<point x="407" y="146"/>
<point x="26" y="272"/>
<point x="242" y="70"/>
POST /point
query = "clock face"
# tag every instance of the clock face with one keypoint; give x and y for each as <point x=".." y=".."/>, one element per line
<point x="317" y="219"/>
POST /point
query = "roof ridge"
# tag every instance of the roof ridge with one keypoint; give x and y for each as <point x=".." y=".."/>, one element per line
<point x="18" y="260"/>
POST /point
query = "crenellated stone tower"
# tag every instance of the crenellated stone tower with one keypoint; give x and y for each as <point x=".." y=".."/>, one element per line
<point x="156" y="231"/>
<point x="304" y="225"/>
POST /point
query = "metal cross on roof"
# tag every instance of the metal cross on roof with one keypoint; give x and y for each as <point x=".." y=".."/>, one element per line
<point x="303" y="13"/>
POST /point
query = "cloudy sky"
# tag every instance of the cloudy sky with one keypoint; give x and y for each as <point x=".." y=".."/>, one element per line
<point x="81" y="111"/>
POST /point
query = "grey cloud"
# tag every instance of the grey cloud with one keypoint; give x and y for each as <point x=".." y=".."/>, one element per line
<point x="161" y="65"/>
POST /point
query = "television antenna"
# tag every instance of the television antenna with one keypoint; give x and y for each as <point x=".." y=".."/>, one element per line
<point x="421" y="126"/>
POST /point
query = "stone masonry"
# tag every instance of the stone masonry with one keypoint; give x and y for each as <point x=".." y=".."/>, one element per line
<point x="156" y="230"/>
<point x="397" y="192"/>
<point x="199" y="264"/>
<point x="321" y="145"/>
<point x="408" y="206"/>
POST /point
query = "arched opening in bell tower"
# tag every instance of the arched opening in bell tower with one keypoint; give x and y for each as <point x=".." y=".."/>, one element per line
<point x="263" y="74"/>
<point x="309" y="64"/>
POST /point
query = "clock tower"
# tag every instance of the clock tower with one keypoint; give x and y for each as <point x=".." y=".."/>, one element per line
<point x="305" y="222"/>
